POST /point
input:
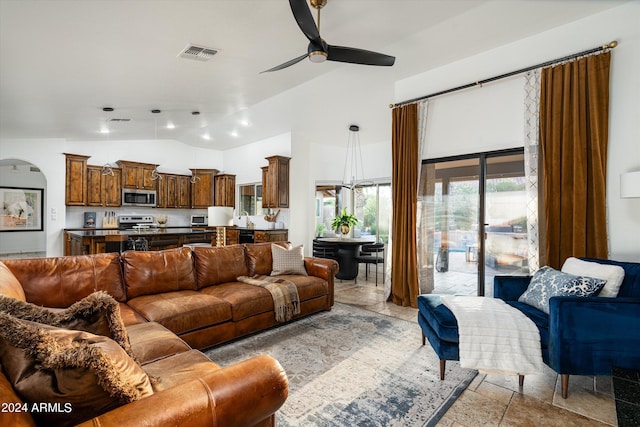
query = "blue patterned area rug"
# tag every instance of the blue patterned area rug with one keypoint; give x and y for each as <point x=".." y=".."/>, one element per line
<point x="353" y="367"/>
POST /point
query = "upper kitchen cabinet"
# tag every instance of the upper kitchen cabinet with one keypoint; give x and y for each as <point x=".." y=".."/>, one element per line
<point x="225" y="190"/>
<point x="275" y="182"/>
<point x="76" y="180"/>
<point x="174" y="191"/>
<point x="137" y="175"/>
<point x="104" y="189"/>
<point x="202" y="187"/>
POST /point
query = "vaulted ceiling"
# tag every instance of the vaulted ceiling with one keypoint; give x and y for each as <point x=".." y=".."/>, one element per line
<point x="63" y="61"/>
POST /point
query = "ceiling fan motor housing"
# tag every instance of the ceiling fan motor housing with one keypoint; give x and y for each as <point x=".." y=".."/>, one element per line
<point x="318" y="4"/>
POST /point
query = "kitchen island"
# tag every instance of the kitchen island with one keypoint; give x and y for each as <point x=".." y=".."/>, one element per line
<point x="100" y="240"/>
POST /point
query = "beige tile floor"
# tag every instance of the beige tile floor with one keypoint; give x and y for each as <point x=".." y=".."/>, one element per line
<point x="495" y="400"/>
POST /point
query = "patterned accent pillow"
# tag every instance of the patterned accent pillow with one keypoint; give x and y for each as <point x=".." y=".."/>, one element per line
<point x="287" y="261"/>
<point x="547" y="283"/>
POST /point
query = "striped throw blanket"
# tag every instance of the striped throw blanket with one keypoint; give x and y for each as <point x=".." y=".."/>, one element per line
<point x="286" y="300"/>
<point x="495" y="337"/>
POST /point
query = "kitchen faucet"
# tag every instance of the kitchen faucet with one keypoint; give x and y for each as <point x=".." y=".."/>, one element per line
<point x="249" y="223"/>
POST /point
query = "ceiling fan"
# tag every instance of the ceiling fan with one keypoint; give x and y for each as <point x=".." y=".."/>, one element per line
<point x="319" y="50"/>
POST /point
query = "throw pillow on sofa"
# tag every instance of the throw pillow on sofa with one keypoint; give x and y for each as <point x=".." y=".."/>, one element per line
<point x="79" y="374"/>
<point x="97" y="313"/>
<point x="288" y="261"/>
<point x="548" y="282"/>
<point x="613" y="274"/>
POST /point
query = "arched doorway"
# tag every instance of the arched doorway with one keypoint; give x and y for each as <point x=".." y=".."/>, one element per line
<point x="22" y="206"/>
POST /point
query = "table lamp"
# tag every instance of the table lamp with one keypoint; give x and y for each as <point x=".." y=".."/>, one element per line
<point x="220" y="217"/>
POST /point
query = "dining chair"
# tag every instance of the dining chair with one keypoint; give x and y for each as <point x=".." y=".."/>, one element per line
<point x="369" y="255"/>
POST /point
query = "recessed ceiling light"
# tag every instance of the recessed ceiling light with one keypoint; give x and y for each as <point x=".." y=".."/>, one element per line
<point x="233" y="133"/>
<point x="206" y="136"/>
<point x="195" y="113"/>
<point x="171" y="126"/>
<point x="104" y="130"/>
<point x="156" y="111"/>
<point x="107" y="109"/>
<point x="244" y="122"/>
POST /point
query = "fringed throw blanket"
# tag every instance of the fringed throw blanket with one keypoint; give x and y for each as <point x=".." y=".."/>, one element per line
<point x="495" y="337"/>
<point x="284" y="292"/>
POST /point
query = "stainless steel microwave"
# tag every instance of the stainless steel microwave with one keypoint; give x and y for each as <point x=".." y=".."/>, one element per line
<point x="138" y="197"/>
<point x="200" y="220"/>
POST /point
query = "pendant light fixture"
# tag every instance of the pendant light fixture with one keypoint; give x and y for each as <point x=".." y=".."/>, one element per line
<point x="106" y="168"/>
<point x="155" y="175"/>
<point x="353" y="175"/>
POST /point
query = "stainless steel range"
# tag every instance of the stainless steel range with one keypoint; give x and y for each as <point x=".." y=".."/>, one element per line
<point x="129" y="222"/>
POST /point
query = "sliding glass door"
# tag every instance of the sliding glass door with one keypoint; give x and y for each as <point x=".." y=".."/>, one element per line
<point x="472" y="222"/>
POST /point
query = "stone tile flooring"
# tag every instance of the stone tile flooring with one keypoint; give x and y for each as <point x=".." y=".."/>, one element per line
<point x="496" y="400"/>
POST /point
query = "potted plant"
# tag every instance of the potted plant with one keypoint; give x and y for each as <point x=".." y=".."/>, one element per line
<point x="344" y="221"/>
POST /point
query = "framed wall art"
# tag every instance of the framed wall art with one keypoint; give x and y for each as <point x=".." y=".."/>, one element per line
<point x="21" y="209"/>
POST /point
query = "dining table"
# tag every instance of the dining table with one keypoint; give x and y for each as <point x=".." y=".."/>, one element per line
<point x="348" y="250"/>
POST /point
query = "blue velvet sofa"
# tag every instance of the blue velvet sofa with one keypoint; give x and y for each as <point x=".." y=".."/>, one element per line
<point x="579" y="336"/>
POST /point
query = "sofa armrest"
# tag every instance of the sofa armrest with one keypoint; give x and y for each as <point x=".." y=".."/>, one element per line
<point x="587" y="336"/>
<point x="509" y="288"/>
<point x="323" y="268"/>
<point x="243" y="394"/>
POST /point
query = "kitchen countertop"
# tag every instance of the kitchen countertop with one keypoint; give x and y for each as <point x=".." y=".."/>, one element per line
<point x="102" y="232"/>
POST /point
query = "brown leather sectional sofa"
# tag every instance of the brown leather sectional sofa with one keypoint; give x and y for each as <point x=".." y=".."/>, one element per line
<point x="172" y="303"/>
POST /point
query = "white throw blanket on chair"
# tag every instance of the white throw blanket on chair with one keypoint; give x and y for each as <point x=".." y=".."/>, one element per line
<point x="495" y="337"/>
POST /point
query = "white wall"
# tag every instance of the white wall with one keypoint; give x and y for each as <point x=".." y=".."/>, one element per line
<point x="22" y="241"/>
<point x="245" y="161"/>
<point x="620" y="24"/>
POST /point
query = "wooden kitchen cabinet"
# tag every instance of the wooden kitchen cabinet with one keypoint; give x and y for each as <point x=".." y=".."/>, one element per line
<point x="183" y="191"/>
<point x="224" y="190"/>
<point x="75" y="193"/>
<point x="137" y="175"/>
<point x="103" y="190"/>
<point x="262" y="236"/>
<point x="275" y="182"/>
<point x="202" y="190"/>
<point x="174" y="191"/>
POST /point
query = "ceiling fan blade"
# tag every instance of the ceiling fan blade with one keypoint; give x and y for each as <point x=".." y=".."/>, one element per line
<point x="286" y="64"/>
<point x="304" y="18"/>
<point x="359" y="56"/>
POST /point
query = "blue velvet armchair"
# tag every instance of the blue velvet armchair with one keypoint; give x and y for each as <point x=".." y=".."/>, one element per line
<point x="584" y="336"/>
<point x="579" y="336"/>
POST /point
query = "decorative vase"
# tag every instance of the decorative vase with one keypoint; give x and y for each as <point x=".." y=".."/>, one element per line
<point x="344" y="229"/>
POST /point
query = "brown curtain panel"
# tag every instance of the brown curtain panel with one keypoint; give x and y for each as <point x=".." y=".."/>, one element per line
<point x="574" y="119"/>
<point x="404" y="190"/>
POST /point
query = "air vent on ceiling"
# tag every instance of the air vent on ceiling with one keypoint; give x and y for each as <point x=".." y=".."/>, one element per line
<point x="198" y="53"/>
<point x="119" y="120"/>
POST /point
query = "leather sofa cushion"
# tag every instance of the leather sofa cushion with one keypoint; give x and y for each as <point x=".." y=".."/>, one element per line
<point x="309" y="287"/>
<point x="219" y="265"/>
<point x="150" y="273"/>
<point x="130" y="316"/>
<point x="182" y="311"/>
<point x="246" y="300"/>
<point x="259" y="258"/>
<point x="9" y="284"/>
<point x="179" y="369"/>
<point x="59" y="282"/>
<point x="151" y="341"/>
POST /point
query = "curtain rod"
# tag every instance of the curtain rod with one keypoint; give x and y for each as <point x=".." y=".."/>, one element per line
<point x="611" y="45"/>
